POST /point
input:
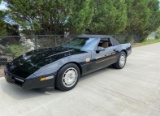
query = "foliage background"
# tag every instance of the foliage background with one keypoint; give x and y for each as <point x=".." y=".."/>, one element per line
<point x="42" y="17"/>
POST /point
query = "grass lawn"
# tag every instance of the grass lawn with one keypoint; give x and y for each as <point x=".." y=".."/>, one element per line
<point x="146" y="42"/>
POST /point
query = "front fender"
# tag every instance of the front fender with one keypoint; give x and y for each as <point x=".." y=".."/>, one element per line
<point x="55" y="66"/>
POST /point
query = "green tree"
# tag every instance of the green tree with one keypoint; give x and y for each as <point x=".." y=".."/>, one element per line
<point x="110" y="16"/>
<point x="38" y="16"/>
<point x="143" y="17"/>
<point x="158" y="33"/>
<point x="3" y="24"/>
<point x="100" y="16"/>
<point x="138" y="15"/>
<point x="50" y="17"/>
<point x="154" y="19"/>
<point x="80" y="17"/>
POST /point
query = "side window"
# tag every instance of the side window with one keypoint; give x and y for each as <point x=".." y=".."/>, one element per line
<point x="105" y="43"/>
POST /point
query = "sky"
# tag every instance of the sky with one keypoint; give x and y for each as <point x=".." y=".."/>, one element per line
<point x="3" y="6"/>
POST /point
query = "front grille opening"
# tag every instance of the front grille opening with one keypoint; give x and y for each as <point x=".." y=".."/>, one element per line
<point x="18" y="83"/>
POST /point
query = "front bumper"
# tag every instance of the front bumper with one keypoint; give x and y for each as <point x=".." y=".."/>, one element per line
<point x="129" y="51"/>
<point x="29" y="83"/>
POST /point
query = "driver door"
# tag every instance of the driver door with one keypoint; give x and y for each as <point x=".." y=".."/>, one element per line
<point x="105" y="57"/>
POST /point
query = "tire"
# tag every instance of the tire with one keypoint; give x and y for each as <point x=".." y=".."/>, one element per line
<point x="67" y="77"/>
<point x="121" y="61"/>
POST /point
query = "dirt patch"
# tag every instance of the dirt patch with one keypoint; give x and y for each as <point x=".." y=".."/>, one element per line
<point x="1" y="72"/>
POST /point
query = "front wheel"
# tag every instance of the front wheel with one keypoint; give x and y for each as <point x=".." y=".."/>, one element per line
<point x="121" y="61"/>
<point x="67" y="77"/>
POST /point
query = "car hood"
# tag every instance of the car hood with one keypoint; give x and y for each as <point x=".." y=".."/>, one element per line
<point x="30" y="62"/>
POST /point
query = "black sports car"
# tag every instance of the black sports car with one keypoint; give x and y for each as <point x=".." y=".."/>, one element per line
<point x="62" y="66"/>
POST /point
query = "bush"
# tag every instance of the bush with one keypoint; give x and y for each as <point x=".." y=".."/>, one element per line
<point x="16" y="50"/>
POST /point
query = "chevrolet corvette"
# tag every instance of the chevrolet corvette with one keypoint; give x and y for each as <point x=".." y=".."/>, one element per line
<point x="62" y="66"/>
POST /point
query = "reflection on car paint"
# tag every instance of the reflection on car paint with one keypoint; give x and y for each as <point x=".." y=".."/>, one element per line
<point x="107" y="55"/>
<point x="106" y="59"/>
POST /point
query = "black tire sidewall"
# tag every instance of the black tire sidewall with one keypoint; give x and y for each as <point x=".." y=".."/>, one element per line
<point x="59" y="78"/>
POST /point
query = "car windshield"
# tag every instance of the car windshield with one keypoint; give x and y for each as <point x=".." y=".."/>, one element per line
<point x="83" y="44"/>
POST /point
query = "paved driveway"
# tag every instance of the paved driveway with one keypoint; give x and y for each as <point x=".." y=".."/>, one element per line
<point x="133" y="91"/>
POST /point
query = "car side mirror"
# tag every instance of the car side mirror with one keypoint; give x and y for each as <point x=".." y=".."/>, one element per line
<point x="99" y="49"/>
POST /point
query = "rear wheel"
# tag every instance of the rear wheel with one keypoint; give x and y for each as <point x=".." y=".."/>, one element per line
<point x="121" y="61"/>
<point x="67" y="77"/>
